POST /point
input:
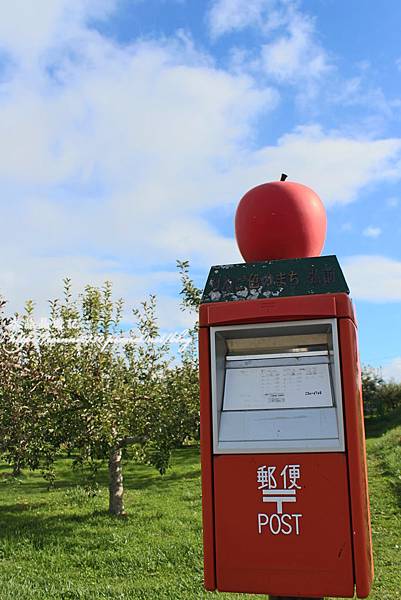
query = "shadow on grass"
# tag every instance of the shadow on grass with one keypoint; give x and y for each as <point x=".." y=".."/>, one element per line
<point x="397" y="491"/>
<point x="185" y="466"/>
<point x="33" y="481"/>
<point x="377" y="426"/>
<point x="20" y="507"/>
<point x="134" y="482"/>
<point x="41" y="532"/>
<point x="25" y="520"/>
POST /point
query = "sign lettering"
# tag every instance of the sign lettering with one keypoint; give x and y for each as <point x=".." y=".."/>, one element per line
<point x="279" y="522"/>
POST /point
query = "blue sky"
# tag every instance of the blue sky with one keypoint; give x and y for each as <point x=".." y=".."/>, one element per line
<point x="129" y="130"/>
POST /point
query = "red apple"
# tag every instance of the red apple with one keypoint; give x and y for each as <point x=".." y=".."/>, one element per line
<point x="280" y="219"/>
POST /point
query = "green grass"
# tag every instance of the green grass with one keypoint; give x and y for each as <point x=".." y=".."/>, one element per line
<point x="384" y="463"/>
<point x="62" y="545"/>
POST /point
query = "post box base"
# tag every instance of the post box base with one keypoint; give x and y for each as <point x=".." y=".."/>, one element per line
<point x="293" y="598"/>
<point x="298" y="543"/>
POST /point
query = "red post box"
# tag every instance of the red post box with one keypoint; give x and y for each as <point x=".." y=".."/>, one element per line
<point x="285" y="501"/>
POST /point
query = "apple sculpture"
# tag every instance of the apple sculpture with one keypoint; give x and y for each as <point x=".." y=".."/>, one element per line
<point x="280" y="219"/>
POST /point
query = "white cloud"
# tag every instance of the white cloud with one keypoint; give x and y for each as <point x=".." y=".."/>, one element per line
<point x="40" y="278"/>
<point x="288" y="51"/>
<point x="335" y="166"/>
<point x="373" y="278"/>
<point x="376" y="109"/>
<point x="292" y="53"/>
<point x="226" y="16"/>
<point x="117" y="114"/>
<point x="392" y="370"/>
<point x="28" y="29"/>
<point x="195" y="238"/>
<point x="392" y="202"/>
<point x="295" y="56"/>
<point x="115" y="152"/>
<point x="372" y="232"/>
<point x="126" y="151"/>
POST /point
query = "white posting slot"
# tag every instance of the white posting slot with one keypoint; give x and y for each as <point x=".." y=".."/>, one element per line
<point x="276" y="388"/>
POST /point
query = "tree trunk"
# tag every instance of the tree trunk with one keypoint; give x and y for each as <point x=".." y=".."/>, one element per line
<point x="116" y="488"/>
<point x="17" y="468"/>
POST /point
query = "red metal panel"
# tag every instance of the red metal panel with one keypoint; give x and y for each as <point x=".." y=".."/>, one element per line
<point x="261" y="311"/>
<point x="356" y="452"/>
<point x="306" y="551"/>
<point x="206" y="460"/>
<point x="332" y="549"/>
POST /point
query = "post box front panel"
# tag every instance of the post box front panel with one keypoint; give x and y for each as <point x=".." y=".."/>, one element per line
<point x="276" y="387"/>
<point x="282" y="524"/>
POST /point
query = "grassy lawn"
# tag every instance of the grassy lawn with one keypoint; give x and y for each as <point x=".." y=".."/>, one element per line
<point x="61" y="545"/>
<point x="384" y="463"/>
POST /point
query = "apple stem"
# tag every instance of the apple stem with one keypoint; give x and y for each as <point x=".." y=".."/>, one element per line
<point x="283" y="177"/>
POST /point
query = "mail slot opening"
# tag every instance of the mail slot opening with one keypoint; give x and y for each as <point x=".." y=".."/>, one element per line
<point x="276" y="387"/>
<point x="278" y="344"/>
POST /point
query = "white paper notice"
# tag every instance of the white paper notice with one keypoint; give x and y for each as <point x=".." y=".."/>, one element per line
<point x="277" y="387"/>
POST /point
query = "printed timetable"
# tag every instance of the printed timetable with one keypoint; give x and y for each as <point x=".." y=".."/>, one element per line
<point x="261" y="388"/>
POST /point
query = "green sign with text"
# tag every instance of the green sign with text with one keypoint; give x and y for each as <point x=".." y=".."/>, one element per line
<point x="275" y="279"/>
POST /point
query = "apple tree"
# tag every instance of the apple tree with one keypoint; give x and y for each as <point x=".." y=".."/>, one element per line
<point x="30" y="397"/>
<point x="83" y="386"/>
